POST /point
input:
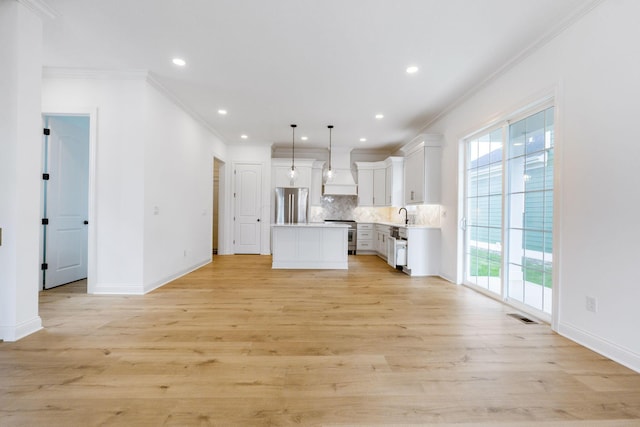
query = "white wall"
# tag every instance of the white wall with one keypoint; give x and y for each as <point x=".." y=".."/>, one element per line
<point x="592" y="69"/>
<point x="178" y="181"/>
<point x="20" y="154"/>
<point x="148" y="153"/>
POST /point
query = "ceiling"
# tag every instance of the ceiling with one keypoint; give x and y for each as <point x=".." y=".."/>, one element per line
<point x="270" y="63"/>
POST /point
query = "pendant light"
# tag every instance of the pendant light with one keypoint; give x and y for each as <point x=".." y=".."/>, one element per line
<point x="293" y="173"/>
<point x="329" y="173"/>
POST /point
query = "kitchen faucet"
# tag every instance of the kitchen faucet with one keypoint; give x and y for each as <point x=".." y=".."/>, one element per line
<point x="406" y="215"/>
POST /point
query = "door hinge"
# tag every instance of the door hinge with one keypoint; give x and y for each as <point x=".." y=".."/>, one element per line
<point x="45" y="176"/>
<point x="44" y="266"/>
<point x="46" y="131"/>
<point x="234" y="195"/>
<point x="45" y="221"/>
<point x="234" y="171"/>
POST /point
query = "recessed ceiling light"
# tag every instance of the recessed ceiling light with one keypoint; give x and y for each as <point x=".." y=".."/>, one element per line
<point x="304" y="138"/>
<point x="222" y="112"/>
<point x="243" y="136"/>
<point x="379" y="116"/>
<point x="363" y="139"/>
<point x="412" y="70"/>
<point x="179" y="62"/>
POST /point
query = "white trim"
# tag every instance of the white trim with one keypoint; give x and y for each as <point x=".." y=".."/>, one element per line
<point x="118" y="289"/>
<point x="11" y="333"/>
<point x="617" y="353"/>
<point x="159" y="283"/>
<point x="543" y="40"/>
<point x="93" y="73"/>
<point x="155" y="83"/>
<point x="40" y="8"/>
<point x="92" y="243"/>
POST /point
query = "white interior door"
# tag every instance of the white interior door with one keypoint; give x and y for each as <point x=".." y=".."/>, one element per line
<point x="66" y="199"/>
<point x="248" y="202"/>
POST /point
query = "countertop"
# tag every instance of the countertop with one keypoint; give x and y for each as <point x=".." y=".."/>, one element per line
<point x="402" y="225"/>
<point x="314" y="224"/>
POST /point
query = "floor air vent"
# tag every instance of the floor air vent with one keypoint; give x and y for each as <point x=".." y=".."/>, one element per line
<point x="521" y="318"/>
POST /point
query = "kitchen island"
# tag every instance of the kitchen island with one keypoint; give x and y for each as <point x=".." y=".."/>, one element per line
<point x="310" y="246"/>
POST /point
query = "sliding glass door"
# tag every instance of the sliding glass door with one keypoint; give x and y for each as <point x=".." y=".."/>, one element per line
<point x="509" y="211"/>
<point x="483" y="249"/>
<point x="530" y="205"/>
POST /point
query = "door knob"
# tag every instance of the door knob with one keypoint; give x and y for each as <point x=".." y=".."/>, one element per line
<point x="86" y="222"/>
<point x="258" y="219"/>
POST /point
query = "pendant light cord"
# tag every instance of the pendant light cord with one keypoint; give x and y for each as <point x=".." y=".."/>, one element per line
<point x="293" y="147"/>
<point x="330" y="129"/>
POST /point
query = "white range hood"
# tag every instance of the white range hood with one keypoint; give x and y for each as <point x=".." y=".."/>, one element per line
<point x="342" y="183"/>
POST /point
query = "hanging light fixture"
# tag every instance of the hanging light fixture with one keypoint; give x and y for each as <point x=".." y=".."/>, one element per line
<point x="329" y="172"/>
<point x="293" y="173"/>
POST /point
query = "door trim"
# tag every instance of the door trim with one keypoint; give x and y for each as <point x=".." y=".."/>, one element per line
<point x="92" y="249"/>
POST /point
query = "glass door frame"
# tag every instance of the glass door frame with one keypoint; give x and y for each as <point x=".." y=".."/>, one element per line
<point x="504" y="124"/>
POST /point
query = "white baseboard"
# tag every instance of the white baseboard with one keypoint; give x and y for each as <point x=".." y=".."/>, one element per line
<point x="612" y="351"/>
<point x="448" y="279"/>
<point x="118" y="289"/>
<point x="140" y="289"/>
<point x="159" y="283"/>
<point x="11" y="333"/>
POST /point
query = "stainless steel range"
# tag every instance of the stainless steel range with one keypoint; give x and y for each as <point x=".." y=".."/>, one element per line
<point x="352" y="233"/>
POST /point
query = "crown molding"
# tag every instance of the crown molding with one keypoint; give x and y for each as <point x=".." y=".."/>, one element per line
<point x="141" y="75"/>
<point x="537" y="44"/>
<point x="89" y="73"/>
<point x="40" y="8"/>
<point x="154" y="82"/>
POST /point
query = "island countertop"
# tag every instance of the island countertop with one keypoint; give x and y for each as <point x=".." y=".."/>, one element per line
<point x="313" y="224"/>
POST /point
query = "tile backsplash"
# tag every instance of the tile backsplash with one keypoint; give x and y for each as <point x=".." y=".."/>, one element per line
<point x="346" y="207"/>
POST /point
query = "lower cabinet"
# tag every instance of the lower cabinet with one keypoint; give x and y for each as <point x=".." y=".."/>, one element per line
<point x="364" y="242"/>
<point x="309" y="247"/>
<point x="381" y="241"/>
<point x="423" y="252"/>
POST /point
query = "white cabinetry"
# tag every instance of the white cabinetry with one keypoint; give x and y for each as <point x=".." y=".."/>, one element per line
<point x="423" y="251"/>
<point x="394" y="181"/>
<point x="380" y="183"/>
<point x="381" y="240"/>
<point x="315" y="192"/>
<point x="280" y="172"/>
<point x="310" y="246"/>
<point x="365" y="186"/>
<point x="379" y="186"/>
<point x="422" y="175"/>
<point x="364" y="242"/>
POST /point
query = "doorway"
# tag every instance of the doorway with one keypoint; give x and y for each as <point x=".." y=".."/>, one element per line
<point x="65" y="199"/>
<point x="217" y="165"/>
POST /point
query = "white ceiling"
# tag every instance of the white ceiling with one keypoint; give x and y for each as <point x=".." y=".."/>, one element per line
<point x="270" y="63"/>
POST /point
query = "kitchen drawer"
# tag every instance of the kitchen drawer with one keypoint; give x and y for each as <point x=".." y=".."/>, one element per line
<point x="365" y="234"/>
<point x="365" y="245"/>
<point x="383" y="228"/>
<point x="365" y="226"/>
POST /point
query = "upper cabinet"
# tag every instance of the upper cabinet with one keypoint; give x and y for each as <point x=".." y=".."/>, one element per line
<point x="394" y="178"/>
<point x="365" y="184"/>
<point x="422" y="173"/>
<point x="281" y="168"/>
<point x="380" y="183"/>
<point x="315" y="192"/>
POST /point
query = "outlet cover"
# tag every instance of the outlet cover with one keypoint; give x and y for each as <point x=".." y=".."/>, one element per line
<point x="591" y="304"/>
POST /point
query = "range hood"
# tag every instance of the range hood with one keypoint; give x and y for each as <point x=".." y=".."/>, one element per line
<point x="342" y="183"/>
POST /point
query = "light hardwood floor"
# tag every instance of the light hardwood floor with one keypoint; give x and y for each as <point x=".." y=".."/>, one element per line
<point x="236" y="343"/>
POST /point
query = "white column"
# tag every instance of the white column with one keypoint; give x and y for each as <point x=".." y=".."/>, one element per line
<point x="20" y="162"/>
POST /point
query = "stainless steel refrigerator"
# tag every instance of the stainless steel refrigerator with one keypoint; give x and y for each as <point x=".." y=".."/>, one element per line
<point x="292" y="205"/>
